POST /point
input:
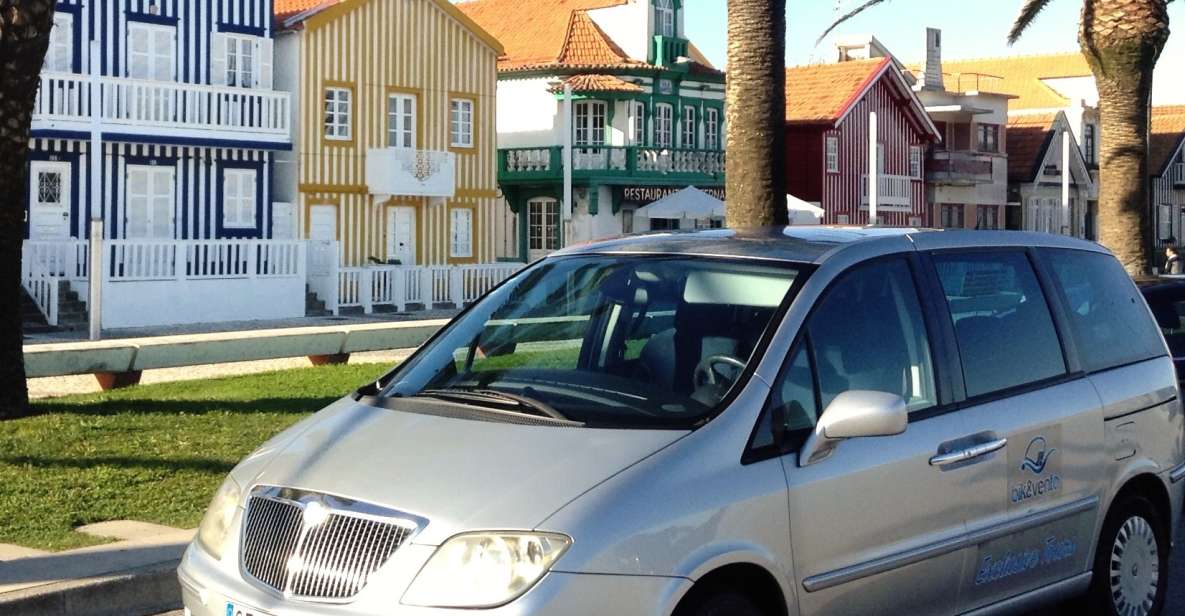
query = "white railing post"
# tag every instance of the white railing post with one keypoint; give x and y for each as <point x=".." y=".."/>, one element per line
<point x="399" y="288"/>
<point x="334" y="299"/>
<point x="366" y="289"/>
<point x="427" y="295"/>
<point x="457" y="286"/>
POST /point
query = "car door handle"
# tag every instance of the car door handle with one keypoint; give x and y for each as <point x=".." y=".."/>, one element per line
<point x="970" y="453"/>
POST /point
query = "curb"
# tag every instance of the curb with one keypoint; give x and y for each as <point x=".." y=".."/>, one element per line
<point x="134" y="592"/>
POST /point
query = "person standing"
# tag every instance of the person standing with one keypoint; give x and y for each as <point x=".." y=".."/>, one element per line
<point x="1172" y="261"/>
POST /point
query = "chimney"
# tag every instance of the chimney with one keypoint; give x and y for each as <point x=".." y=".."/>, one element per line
<point x="932" y="65"/>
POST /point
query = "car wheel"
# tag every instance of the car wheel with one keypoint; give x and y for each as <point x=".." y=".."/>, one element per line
<point x="1131" y="564"/>
<point x="725" y="604"/>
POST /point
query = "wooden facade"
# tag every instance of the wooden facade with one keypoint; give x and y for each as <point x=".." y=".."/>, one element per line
<point x="376" y="48"/>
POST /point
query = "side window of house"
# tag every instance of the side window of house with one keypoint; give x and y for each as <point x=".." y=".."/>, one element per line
<point x="461" y="122"/>
<point x="337" y="114"/>
<point x="240" y="60"/>
<point x="1108" y="316"/>
<point x="238" y="198"/>
<point x="711" y="129"/>
<point x="832" y="154"/>
<point x="60" y="57"/>
<point x="1002" y="322"/>
<point x="638" y="123"/>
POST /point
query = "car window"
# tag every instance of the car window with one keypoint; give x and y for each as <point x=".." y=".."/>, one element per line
<point x="1108" y="316"/>
<point x="1002" y="322"/>
<point x="793" y="401"/>
<point x="868" y="334"/>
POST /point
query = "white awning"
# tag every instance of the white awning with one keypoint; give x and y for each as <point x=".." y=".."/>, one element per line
<point x="690" y="202"/>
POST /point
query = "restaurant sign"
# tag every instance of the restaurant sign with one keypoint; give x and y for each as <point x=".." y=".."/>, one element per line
<point x="645" y="195"/>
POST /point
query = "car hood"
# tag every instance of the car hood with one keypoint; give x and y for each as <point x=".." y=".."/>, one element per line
<point x="459" y="474"/>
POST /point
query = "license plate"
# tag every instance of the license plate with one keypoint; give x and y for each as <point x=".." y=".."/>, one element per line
<point x="238" y="609"/>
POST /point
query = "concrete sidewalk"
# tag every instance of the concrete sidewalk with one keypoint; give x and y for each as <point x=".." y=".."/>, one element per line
<point x="136" y="574"/>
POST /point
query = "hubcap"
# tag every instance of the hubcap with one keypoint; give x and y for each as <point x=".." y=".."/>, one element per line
<point x="1135" y="568"/>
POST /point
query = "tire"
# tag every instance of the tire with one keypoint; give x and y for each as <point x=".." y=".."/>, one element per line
<point x="724" y="604"/>
<point x="1134" y="538"/>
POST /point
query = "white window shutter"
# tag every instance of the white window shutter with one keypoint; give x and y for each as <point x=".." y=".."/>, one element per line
<point x="249" y="199"/>
<point x="138" y="51"/>
<point x="264" y="50"/>
<point x="218" y="59"/>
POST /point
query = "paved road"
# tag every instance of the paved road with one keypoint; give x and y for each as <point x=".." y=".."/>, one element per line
<point x="1176" y="599"/>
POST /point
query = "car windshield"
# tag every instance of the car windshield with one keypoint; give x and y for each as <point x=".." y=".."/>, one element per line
<point x="605" y="340"/>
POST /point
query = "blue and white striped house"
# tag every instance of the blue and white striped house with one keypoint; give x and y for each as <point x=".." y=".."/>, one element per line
<point x="189" y="124"/>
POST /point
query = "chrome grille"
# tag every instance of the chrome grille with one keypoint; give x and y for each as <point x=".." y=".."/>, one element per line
<point x="327" y="554"/>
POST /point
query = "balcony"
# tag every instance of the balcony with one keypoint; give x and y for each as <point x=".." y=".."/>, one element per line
<point x="894" y="192"/>
<point x="612" y="162"/>
<point x="1178" y="175"/>
<point x="959" y="168"/>
<point x="148" y="108"/>
<point x="667" y="49"/>
<point x="412" y="173"/>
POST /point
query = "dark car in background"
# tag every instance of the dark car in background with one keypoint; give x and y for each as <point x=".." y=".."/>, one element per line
<point x="1166" y="297"/>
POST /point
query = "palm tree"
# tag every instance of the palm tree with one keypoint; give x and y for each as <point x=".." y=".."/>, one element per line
<point x="756" y="113"/>
<point x="24" y="38"/>
<point x="1121" y="40"/>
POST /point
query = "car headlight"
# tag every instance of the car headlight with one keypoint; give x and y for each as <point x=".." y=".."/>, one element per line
<point x="482" y="570"/>
<point x="219" y="516"/>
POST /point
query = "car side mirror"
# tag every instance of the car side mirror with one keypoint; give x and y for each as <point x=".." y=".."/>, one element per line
<point x="854" y="414"/>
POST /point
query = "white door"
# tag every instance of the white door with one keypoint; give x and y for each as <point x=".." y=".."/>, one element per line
<point x="543" y="228"/>
<point x="152" y="52"/>
<point x="150" y="202"/>
<point x="49" y="201"/>
<point x="283" y="221"/>
<point x="323" y="238"/>
<point x="401" y="234"/>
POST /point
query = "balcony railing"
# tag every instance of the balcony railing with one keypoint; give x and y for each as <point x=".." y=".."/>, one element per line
<point x="139" y="106"/>
<point x="667" y="49"/>
<point x="947" y="167"/>
<point x="415" y="173"/>
<point x="1178" y="174"/>
<point x="893" y="191"/>
<point x="546" y="163"/>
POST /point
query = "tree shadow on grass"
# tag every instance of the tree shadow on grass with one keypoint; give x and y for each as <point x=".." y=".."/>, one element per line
<point x="282" y="406"/>
<point x="220" y="467"/>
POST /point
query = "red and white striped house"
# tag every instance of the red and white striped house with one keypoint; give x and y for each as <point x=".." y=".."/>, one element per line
<point x="828" y="145"/>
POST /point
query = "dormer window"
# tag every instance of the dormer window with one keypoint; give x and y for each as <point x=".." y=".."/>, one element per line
<point x="664" y="18"/>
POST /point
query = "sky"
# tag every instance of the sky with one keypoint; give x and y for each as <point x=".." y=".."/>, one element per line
<point x="971" y="29"/>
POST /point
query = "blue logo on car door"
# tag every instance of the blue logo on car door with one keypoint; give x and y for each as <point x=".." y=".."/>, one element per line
<point x="1037" y="456"/>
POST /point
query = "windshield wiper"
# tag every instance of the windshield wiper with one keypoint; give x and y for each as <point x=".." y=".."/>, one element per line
<point x="500" y="398"/>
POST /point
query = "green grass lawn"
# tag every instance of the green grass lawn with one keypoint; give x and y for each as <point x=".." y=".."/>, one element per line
<point x="154" y="453"/>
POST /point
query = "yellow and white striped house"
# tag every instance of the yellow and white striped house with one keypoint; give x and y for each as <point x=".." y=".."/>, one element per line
<point x="394" y="149"/>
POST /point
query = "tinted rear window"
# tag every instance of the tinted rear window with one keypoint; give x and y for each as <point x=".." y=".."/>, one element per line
<point x="1002" y="323"/>
<point x="1108" y="317"/>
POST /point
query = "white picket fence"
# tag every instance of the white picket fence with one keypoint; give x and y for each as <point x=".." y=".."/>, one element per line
<point x="131" y="260"/>
<point x="427" y="285"/>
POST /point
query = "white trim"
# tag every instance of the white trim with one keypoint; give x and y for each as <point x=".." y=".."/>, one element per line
<point x="461" y="122"/>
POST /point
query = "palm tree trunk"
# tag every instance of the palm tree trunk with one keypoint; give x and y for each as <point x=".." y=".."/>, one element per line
<point x="1122" y="39"/>
<point x="756" y="113"/>
<point x="24" y="38"/>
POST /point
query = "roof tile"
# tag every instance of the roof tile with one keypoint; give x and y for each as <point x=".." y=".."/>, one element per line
<point x="285" y="9"/>
<point x="821" y="92"/>
<point x="1020" y="76"/>
<point x="1168" y="130"/>
<point x="586" y="82"/>
<point x="1026" y="141"/>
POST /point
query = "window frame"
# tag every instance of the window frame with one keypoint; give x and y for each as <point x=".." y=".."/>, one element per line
<point x="987" y="133"/>
<point x="712" y="140"/>
<point x="664" y="16"/>
<point x="661" y="130"/>
<point x="235" y="44"/>
<point x="150" y="29"/>
<point x="336" y="136"/>
<point x="689" y="128"/>
<point x="240" y="199"/>
<point x="413" y="129"/>
<point x="590" y="112"/>
<point x="452" y="233"/>
<point x="64" y="24"/>
<point x="456" y="131"/>
<point x="915" y="162"/>
<point x="831" y="153"/>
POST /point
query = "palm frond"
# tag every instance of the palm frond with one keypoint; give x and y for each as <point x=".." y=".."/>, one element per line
<point x="854" y="12"/>
<point x="1028" y="14"/>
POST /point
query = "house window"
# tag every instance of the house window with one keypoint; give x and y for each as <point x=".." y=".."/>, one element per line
<point x="689" y="128"/>
<point x="337" y="114"/>
<point x="1088" y="143"/>
<point x="401" y="121"/>
<point x="543" y="217"/>
<point x="638" y="123"/>
<point x="461" y="122"/>
<point x="951" y="216"/>
<point x="238" y="198"/>
<point x="240" y="61"/>
<point x="461" y="233"/>
<point x="988" y="136"/>
<point x="152" y="51"/>
<point x="915" y="162"/>
<point x="60" y="57"/>
<point x="664" y="18"/>
<point x="663" y="125"/>
<point x="1164" y="223"/>
<point x="589" y="123"/>
<point x="987" y="217"/>
<point x="627" y="220"/>
<point x="832" y="154"/>
<point x="711" y="128"/>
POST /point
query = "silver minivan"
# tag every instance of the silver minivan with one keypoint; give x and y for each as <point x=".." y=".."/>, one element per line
<point x="808" y="421"/>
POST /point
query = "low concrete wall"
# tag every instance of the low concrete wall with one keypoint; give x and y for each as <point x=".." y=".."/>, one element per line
<point x="136" y="354"/>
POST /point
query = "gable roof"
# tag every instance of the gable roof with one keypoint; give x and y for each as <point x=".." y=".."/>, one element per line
<point x="540" y="34"/>
<point x="292" y="14"/>
<point x="1019" y="76"/>
<point x="592" y="82"/>
<point x="1166" y="137"/>
<point x="825" y="93"/>
<point x="821" y="93"/>
<point x="1026" y="141"/>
